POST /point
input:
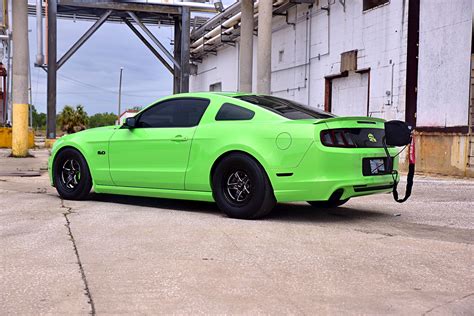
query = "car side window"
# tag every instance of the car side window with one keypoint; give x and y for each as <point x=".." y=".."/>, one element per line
<point x="174" y="113"/>
<point x="231" y="112"/>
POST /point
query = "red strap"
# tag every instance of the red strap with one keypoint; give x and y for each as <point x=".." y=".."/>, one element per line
<point x="411" y="155"/>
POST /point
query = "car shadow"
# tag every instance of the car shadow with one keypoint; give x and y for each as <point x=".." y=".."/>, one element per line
<point x="290" y="212"/>
<point x="169" y="204"/>
<point x="299" y="212"/>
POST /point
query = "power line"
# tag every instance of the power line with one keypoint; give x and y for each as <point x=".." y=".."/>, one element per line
<point x="96" y="87"/>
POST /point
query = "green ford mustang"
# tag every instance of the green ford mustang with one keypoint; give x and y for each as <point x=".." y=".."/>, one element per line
<point x="244" y="151"/>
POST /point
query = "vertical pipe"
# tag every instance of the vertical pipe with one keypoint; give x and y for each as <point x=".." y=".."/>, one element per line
<point x="30" y="94"/>
<point x="46" y="15"/>
<point x="264" y="53"/>
<point x="39" y="33"/>
<point x="5" y="100"/>
<point x="185" y="48"/>
<point x="52" y="67"/>
<point x="246" y="45"/>
<point x="20" y="79"/>
<point x="120" y="96"/>
<point x="9" y="81"/>
<point x="413" y="37"/>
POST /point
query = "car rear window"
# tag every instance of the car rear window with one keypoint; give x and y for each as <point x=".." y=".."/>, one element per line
<point x="286" y="108"/>
<point x="230" y="112"/>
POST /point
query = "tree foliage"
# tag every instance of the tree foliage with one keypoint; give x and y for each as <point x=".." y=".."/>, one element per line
<point x="39" y="119"/>
<point x="75" y="119"/>
<point x="72" y="120"/>
<point x="102" y="119"/>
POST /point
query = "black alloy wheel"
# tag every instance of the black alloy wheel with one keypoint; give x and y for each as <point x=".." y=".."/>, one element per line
<point x="241" y="187"/>
<point x="71" y="175"/>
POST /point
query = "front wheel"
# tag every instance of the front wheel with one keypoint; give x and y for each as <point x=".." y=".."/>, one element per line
<point x="71" y="175"/>
<point x="241" y="188"/>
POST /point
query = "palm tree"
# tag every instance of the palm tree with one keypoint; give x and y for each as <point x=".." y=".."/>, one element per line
<point x="73" y="120"/>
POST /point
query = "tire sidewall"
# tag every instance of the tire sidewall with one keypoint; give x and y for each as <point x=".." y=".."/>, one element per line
<point x="85" y="183"/>
<point x="259" y="185"/>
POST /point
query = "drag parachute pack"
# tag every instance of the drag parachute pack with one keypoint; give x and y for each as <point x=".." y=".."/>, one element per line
<point x="399" y="133"/>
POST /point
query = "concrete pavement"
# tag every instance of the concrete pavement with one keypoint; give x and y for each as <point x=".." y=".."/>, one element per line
<point x="115" y="255"/>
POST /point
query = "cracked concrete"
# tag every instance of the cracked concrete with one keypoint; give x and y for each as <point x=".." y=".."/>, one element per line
<point x="151" y="256"/>
<point x="87" y="291"/>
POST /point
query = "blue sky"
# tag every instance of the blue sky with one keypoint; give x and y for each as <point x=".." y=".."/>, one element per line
<point x="90" y="76"/>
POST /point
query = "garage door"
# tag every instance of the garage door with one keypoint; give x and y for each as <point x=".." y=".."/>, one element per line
<point x="349" y="95"/>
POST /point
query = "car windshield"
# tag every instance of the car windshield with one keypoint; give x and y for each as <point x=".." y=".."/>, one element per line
<point x="289" y="109"/>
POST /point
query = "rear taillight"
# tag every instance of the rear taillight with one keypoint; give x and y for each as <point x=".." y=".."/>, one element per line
<point x="337" y="138"/>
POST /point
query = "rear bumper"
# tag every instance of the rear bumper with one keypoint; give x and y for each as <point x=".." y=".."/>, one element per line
<point x="325" y="170"/>
<point x="321" y="190"/>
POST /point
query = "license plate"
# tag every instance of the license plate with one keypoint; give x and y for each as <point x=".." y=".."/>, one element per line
<point x="377" y="166"/>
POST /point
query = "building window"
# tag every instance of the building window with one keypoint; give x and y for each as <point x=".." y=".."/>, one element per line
<point x="370" y="4"/>
<point x="280" y="55"/>
<point x="216" y="87"/>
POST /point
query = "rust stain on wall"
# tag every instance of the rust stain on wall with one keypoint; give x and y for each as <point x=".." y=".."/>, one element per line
<point x="442" y="153"/>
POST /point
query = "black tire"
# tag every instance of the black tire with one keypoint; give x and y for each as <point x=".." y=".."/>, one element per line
<point x="256" y="197"/>
<point x="71" y="175"/>
<point x="327" y="204"/>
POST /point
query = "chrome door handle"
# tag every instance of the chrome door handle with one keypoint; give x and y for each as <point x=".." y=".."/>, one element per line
<point x="180" y="138"/>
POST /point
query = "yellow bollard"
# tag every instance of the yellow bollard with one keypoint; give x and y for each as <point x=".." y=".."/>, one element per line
<point x="20" y="130"/>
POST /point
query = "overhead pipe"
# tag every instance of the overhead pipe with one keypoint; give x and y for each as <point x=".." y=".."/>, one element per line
<point x="39" y="33"/>
<point x="216" y="20"/>
<point x="215" y="34"/>
<point x="226" y="24"/>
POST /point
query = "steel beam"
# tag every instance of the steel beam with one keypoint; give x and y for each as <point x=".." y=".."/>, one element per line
<point x="154" y="39"/>
<point x="177" y="54"/>
<point x="84" y="38"/>
<point x="138" y="7"/>
<point x="52" y="51"/>
<point x="185" y="48"/>
<point x="147" y="44"/>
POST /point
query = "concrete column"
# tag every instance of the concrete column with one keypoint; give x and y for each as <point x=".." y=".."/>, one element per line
<point x="264" y="53"/>
<point x="20" y="78"/>
<point x="246" y="46"/>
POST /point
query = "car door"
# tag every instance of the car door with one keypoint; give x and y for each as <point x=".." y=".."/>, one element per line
<point x="155" y="153"/>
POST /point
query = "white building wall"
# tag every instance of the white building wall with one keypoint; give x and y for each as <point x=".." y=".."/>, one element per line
<point x="220" y="68"/>
<point x="444" y="63"/>
<point x="305" y="53"/>
<point x="309" y="48"/>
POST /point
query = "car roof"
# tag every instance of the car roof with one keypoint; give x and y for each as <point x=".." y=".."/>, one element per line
<point x="220" y="93"/>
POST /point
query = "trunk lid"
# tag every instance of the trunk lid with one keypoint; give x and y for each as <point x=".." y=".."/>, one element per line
<point x="360" y="131"/>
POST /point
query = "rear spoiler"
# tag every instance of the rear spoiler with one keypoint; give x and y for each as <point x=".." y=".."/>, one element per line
<point x="359" y="119"/>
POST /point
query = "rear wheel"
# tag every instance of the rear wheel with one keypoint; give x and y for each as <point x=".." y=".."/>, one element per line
<point x="327" y="204"/>
<point x="241" y="188"/>
<point x="71" y="175"/>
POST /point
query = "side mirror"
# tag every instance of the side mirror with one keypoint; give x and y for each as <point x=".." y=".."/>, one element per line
<point x="397" y="133"/>
<point x="130" y="122"/>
